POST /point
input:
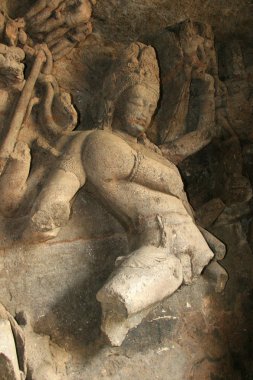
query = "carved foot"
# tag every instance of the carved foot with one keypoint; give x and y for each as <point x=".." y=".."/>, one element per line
<point x="45" y="224"/>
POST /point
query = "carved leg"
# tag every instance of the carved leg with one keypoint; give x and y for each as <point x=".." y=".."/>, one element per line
<point x="150" y="274"/>
<point x="52" y="208"/>
<point x="143" y="279"/>
<point x="169" y="250"/>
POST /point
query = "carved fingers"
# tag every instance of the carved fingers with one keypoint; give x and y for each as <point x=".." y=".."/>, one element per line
<point x="60" y="23"/>
<point x="54" y="36"/>
<point x="42" y="10"/>
<point x="61" y="47"/>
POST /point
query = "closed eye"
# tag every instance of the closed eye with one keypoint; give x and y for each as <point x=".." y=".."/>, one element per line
<point x="139" y="104"/>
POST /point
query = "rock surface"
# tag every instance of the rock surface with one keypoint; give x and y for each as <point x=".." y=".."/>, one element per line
<point x="9" y="367"/>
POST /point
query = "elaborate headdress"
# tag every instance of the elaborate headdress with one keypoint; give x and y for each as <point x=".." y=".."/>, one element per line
<point x="137" y="65"/>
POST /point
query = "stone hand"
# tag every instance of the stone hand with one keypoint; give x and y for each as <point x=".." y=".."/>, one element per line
<point x="61" y="24"/>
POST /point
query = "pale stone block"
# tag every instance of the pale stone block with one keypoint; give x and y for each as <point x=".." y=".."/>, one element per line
<point x="9" y="367"/>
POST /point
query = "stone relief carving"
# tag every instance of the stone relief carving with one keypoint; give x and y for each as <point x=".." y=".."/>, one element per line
<point x="185" y="122"/>
<point x="199" y="113"/>
<point x="132" y="177"/>
<point x="61" y="24"/>
<point x="23" y="132"/>
<point x="140" y="187"/>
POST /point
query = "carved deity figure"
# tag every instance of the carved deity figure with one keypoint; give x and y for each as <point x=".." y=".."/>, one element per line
<point x="188" y="64"/>
<point x="141" y="188"/>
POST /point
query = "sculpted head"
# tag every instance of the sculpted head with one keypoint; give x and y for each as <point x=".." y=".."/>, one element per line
<point x="131" y="91"/>
<point x="135" y="108"/>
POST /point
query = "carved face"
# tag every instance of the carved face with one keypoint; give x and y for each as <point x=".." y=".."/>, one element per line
<point x="135" y="109"/>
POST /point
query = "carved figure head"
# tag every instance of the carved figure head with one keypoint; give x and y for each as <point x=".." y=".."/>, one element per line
<point x="131" y="90"/>
<point x="135" y="108"/>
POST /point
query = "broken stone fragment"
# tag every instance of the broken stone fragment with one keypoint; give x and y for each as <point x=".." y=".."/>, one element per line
<point x="9" y="368"/>
<point x="216" y="273"/>
<point x="42" y="354"/>
<point x="209" y="212"/>
<point x="17" y="337"/>
<point x="215" y="244"/>
<point x="234" y="213"/>
<point x="6" y="368"/>
<point x="144" y="278"/>
<point x="116" y="328"/>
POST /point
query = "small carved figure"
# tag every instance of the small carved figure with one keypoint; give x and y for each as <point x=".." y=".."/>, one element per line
<point x="188" y="65"/>
<point x="138" y="185"/>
